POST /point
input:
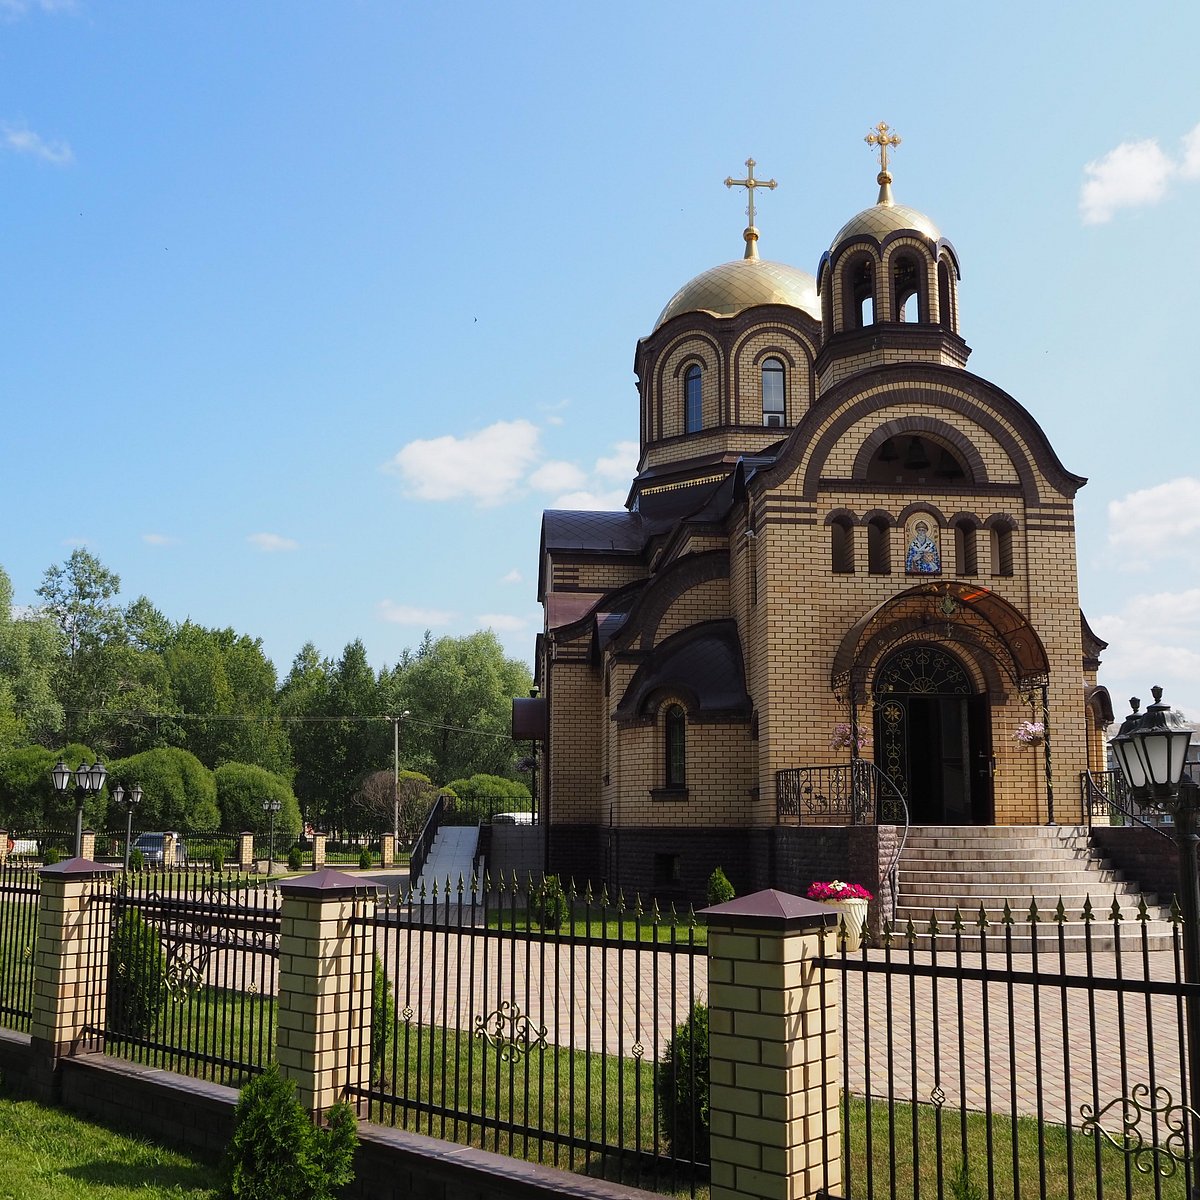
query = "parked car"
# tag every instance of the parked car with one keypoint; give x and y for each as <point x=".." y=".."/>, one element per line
<point x="151" y="846"/>
<point x="513" y="818"/>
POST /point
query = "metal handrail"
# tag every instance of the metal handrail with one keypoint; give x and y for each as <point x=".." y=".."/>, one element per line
<point x="881" y="780"/>
<point x="424" y="842"/>
<point x="1092" y="791"/>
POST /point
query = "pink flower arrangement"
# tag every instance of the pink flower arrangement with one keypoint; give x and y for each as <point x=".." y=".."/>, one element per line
<point x="1029" y="733"/>
<point x="835" y="889"/>
<point x="843" y="737"/>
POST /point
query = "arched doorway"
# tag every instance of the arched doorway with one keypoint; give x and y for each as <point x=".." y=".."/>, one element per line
<point x="933" y="736"/>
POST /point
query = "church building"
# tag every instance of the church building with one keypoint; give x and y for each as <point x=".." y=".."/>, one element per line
<point x="842" y="596"/>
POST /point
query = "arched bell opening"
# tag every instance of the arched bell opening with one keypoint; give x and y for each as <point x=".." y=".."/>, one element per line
<point x="933" y="735"/>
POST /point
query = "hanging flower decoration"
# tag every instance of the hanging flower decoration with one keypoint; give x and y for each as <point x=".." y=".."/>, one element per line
<point x="1030" y="733"/>
<point x="836" y="889"/>
<point x="843" y="737"/>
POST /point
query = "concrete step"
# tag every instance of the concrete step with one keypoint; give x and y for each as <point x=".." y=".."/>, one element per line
<point x="1025" y="848"/>
<point x="1159" y="936"/>
<point x="1023" y="881"/>
<point x="921" y="913"/>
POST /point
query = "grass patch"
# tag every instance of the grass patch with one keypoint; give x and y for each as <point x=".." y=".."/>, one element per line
<point x="49" y="1154"/>
<point x="592" y="921"/>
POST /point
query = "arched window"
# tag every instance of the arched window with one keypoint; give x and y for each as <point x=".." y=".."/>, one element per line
<point x="906" y="288"/>
<point x="841" y="544"/>
<point x="945" y="297"/>
<point x="879" y="547"/>
<point x="1002" y="550"/>
<point x="966" y="555"/>
<point x="675" y="745"/>
<point x="692" y="399"/>
<point x="859" y="298"/>
<point x="774" y="407"/>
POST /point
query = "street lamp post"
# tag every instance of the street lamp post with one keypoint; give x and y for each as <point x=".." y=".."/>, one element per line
<point x="132" y="799"/>
<point x="1151" y="749"/>
<point x="396" y="779"/>
<point x="271" y="807"/>
<point x="88" y="781"/>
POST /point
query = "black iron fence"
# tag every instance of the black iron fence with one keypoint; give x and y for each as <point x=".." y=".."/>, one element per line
<point x="850" y="793"/>
<point x="190" y="972"/>
<point x="970" y="1069"/>
<point x="19" y="896"/>
<point x="32" y="845"/>
<point x="1105" y="799"/>
<point x="536" y="1023"/>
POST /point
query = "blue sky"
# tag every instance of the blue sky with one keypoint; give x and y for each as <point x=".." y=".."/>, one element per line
<point x="307" y="310"/>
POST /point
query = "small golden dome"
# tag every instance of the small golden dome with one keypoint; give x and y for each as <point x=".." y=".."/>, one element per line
<point x="882" y="219"/>
<point x="744" y="283"/>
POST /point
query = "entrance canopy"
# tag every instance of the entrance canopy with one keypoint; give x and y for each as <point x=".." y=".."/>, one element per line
<point x="943" y="610"/>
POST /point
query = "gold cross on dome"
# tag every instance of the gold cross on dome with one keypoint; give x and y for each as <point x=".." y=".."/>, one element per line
<point x="750" y="183"/>
<point x="883" y="139"/>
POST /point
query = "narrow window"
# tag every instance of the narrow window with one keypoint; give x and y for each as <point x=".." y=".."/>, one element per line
<point x="693" y="414"/>
<point x="841" y="543"/>
<point x="906" y="289"/>
<point x="676" y="747"/>
<point x="859" y="301"/>
<point x="1002" y="550"/>
<point x="879" y="547"/>
<point x="773" y="405"/>
<point x="945" y="297"/>
<point x="966" y="556"/>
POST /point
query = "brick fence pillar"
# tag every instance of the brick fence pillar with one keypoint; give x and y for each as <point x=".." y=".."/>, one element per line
<point x="88" y="849"/>
<point x="318" y="841"/>
<point x="323" y="1032"/>
<point x="70" y="965"/>
<point x="3" y="846"/>
<point x="245" y="852"/>
<point x="387" y="850"/>
<point x="774" y="1050"/>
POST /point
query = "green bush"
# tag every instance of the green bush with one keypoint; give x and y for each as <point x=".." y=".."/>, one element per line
<point x="549" y="903"/>
<point x="295" y="859"/>
<point x="719" y="890"/>
<point x="137" y="860"/>
<point x="277" y="1153"/>
<point x="178" y="790"/>
<point x="137" y="970"/>
<point x="364" y="858"/>
<point x="241" y="789"/>
<point x="681" y="1083"/>
<point x="218" y="859"/>
<point x="50" y="856"/>
<point x="383" y="1019"/>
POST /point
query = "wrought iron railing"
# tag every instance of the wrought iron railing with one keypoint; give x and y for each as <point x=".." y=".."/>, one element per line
<point x="543" y="1024"/>
<point x="19" y="897"/>
<point x="191" y="973"/>
<point x="1105" y="800"/>
<point x="1044" y="1055"/>
<point x="424" y="842"/>
<point x="851" y="793"/>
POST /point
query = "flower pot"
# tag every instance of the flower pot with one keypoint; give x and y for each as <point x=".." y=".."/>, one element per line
<point x="853" y="912"/>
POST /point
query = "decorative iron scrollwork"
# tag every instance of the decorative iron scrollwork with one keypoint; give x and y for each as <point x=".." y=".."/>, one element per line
<point x="510" y="1032"/>
<point x="1154" y="1156"/>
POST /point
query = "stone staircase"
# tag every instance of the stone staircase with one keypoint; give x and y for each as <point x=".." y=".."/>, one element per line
<point x="451" y="858"/>
<point x="949" y="866"/>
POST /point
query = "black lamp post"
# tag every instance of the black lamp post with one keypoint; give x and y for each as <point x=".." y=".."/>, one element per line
<point x="88" y="781"/>
<point x="132" y="798"/>
<point x="271" y="807"/>
<point x="1151" y="748"/>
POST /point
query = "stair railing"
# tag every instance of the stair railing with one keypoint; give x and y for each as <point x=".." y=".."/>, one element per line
<point x="424" y="842"/>
<point x="1110" y="794"/>
<point x="890" y="808"/>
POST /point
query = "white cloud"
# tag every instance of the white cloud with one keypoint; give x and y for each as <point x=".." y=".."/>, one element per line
<point x="1156" y="522"/>
<point x="12" y="10"/>
<point x="513" y="576"/>
<point x="1135" y="174"/>
<point x="592" y="501"/>
<point x="502" y="622"/>
<point x="488" y="467"/>
<point x="621" y="464"/>
<point x="270" y="543"/>
<point x="159" y="539"/>
<point x="1153" y="639"/>
<point x="24" y="141"/>
<point x="557" y="476"/>
<point x="407" y="614"/>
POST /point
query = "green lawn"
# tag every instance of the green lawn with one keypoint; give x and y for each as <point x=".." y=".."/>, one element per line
<point x="50" y="1154"/>
<point x="592" y="921"/>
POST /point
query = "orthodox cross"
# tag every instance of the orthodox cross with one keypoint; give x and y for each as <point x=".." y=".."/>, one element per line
<point x="883" y="139"/>
<point x="750" y="183"/>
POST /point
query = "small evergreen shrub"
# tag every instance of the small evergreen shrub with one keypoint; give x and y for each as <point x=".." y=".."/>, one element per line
<point x="383" y="1019"/>
<point x="719" y="890"/>
<point x="549" y="903"/>
<point x="218" y="859"/>
<point x="364" y="858"/>
<point x="295" y="859"/>
<point x="50" y="856"/>
<point x="137" y="860"/>
<point x="277" y="1153"/>
<point x="137" y="971"/>
<point x="681" y="1082"/>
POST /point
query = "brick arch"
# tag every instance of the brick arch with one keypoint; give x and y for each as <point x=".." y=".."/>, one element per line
<point x="976" y="658"/>
<point x="688" y="355"/>
<point x="841" y="514"/>
<point x="964" y="516"/>
<point x="923" y="506"/>
<point x="931" y="427"/>
<point x="879" y="514"/>
<point x="1001" y="521"/>
<point x="660" y="593"/>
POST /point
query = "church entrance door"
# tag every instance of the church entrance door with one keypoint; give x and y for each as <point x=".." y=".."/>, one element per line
<point x="932" y="736"/>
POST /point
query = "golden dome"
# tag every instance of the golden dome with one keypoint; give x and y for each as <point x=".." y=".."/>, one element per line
<point x="882" y="219"/>
<point x="744" y="283"/>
